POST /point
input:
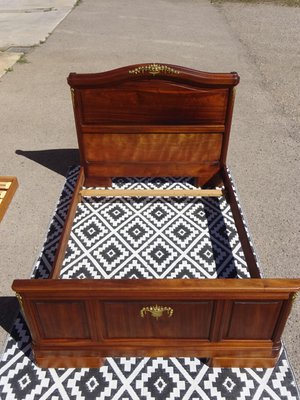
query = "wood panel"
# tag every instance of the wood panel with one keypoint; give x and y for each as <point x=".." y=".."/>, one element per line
<point x="63" y="319"/>
<point x="95" y="172"/>
<point x="155" y="148"/>
<point x="188" y="320"/>
<point x="253" y="320"/>
<point x="148" y="103"/>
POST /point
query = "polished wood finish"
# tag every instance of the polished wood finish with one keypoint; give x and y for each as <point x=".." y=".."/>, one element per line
<point x="155" y="120"/>
<point x="102" y="317"/>
<point x="76" y="198"/>
<point x="8" y="187"/>
<point x="152" y="148"/>
<point x="152" y="124"/>
<point x="203" y="172"/>
<point x="239" y="222"/>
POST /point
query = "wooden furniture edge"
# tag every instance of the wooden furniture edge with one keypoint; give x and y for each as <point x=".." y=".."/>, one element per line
<point x="9" y="195"/>
<point x="153" y="71"/>
<point x="240" y="225"/>
<point x="63" y="242"/>
<point x="226" y="136"/>
<point x="143" y="288"/>
<point x="151" y="128"/>
<point x="91" y="295"/>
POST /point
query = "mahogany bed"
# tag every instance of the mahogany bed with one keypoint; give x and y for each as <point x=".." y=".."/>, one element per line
<point x="154" y="120"/>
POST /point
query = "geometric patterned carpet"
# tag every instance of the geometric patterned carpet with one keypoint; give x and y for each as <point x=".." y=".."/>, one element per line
<point x="158" y="237"/>
<point x="162" y="234"/>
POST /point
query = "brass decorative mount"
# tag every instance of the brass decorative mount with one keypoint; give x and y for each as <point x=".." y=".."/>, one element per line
<point x="20" y="300"/>
<point x="294" y="297"/>
<point x="73" y="96"/>
<point x="154" y="69"/>
<point x="156" y="311"/>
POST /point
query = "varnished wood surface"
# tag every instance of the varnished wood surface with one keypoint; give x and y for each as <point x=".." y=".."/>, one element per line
<point x="239" y="223"/>
<point x="152" y="148"/>
<point x="155" y="120"/>
<point x="176" y="288"/>
<point x="186" y="75"/>
<point x="88" y="319"/>
<point x="63" y="242"/>
<point x="150" y="128"/>
<point x="97" y="173"/>
<point x="139" y="102"/>
<point x="185" y="113"/>
<point x="130" y="324"/>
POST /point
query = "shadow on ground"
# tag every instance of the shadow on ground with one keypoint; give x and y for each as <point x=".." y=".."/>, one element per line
<point x="57" y="160"/>
<point x="9" y="308"/>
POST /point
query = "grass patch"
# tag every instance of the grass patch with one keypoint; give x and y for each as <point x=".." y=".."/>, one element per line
<point x="9" y="69"/>
<point x="287" y="3"/>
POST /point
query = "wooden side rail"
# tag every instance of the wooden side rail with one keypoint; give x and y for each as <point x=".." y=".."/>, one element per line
<point x="240" y="226"/>
<point x="232" y="322"/>
<point x="63" y="242"/>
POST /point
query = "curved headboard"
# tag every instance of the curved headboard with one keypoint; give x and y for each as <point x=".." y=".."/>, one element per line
<point x="152" y="120"/>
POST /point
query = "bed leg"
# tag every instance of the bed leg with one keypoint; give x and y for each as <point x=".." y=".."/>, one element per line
<point x="102" y="361"/>
<point x="104" y="182"/>
<point x="197" y="182"/>
<point x="98" y="182"/>
<point x="237" y="362"/>
<point x="62" y="361"/>
<point x="212" y="182"/>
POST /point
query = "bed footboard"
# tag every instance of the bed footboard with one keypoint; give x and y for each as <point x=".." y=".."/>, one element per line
<point x="231" y="322"/>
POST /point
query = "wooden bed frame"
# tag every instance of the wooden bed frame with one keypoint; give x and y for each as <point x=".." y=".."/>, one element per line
<point x="155" y="120"/>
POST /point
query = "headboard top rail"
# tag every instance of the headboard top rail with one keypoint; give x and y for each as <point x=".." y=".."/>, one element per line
<point x="138" y="72"/>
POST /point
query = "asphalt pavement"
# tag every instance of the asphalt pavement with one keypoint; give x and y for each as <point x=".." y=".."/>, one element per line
<point x="38" y="139"/>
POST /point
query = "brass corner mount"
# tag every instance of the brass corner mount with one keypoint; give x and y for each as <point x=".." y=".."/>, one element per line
<point x="20" y="300"/>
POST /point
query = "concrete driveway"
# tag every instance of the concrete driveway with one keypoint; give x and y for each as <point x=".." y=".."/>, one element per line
<point x="25" y="24"/>
<point x="258" y="41"/>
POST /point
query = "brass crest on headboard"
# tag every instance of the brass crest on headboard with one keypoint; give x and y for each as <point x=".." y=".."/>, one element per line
<point x="154" y="69"/>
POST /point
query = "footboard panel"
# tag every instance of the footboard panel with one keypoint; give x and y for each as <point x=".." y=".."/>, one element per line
<point x="231" y="322"/>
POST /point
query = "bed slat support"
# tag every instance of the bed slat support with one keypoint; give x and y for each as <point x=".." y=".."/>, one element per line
<point x="152" y="192"/>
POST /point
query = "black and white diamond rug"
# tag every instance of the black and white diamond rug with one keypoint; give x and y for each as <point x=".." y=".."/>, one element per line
<point x="141" y="238"/>
<point x="154" y="237"/>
